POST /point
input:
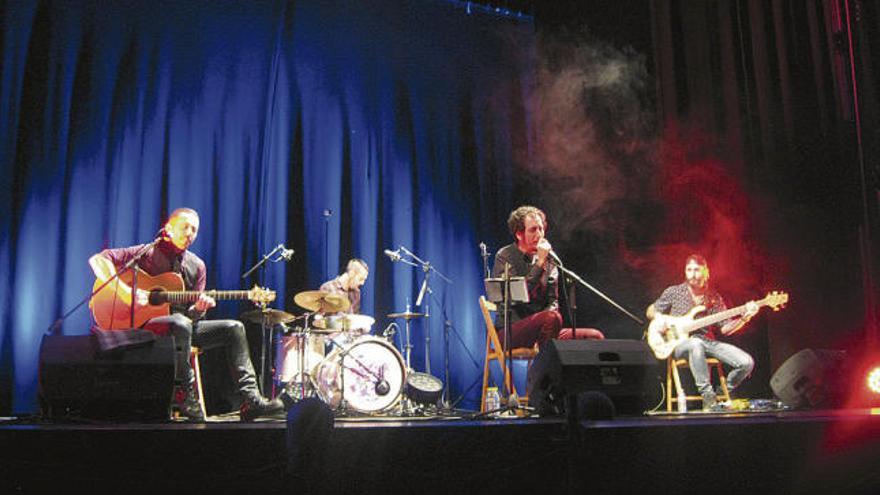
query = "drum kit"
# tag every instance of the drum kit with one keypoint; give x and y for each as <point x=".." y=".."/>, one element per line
<point x="331" y="354"/>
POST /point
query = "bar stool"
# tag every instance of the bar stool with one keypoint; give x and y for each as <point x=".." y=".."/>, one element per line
<point x="672" y="377"/>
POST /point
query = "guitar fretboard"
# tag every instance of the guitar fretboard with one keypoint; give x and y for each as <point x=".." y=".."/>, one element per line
<point x="184" y="296"/>
<point x="721" y="316"/>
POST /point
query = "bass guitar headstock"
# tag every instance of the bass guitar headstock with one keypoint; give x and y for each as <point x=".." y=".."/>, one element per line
<point x="776" y="300"/>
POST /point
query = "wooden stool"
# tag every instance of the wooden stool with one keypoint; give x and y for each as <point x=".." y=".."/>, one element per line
<point x="197" y="382"/>
<point x="672" y="376"/>
<point x="197" y="372"/>
<point x="494" y="352"/>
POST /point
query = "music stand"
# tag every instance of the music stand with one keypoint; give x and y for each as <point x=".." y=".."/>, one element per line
<point x="507" y="290"/>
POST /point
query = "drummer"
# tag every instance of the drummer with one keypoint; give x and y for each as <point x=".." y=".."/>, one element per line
<point x="349" y="283"/>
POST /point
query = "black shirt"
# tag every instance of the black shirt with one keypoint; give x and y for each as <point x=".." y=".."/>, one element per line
<point x="162" y="259"/>
<point x="541" y="281"/>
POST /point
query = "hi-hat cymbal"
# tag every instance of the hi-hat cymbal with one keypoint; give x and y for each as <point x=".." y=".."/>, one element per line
<point x="319" y="300"/>
<point x="269" y="315"/>
<point x="406" y="315"/>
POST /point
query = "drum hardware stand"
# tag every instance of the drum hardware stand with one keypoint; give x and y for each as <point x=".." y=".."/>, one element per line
<point x="306" y="380"/>
<point x="428" y="269"/>
<point x="282" y="253"/>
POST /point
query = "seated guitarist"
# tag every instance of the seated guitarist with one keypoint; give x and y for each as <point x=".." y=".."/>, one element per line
<point x="186" y="323"/>
<point x="677" y="300"/>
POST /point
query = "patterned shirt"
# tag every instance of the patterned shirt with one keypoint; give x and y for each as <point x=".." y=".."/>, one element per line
<point x="677" y="301"/>
<point x="354" y="294"/>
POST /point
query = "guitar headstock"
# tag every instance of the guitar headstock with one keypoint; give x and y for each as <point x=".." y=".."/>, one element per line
<point x="776" y="300"/>
<point x="259" y="295"/>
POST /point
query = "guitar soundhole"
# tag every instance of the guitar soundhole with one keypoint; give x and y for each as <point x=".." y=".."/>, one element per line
<point x="157" y="297"/>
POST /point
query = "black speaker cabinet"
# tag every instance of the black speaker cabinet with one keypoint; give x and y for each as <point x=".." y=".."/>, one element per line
<point x="810" y="378"/>
<point x="76" y="380"/>
<point x="623" y="370"/>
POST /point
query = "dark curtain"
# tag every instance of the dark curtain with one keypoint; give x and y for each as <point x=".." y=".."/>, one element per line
<point x="339" y="128"/>
<point x="782" y="97"/>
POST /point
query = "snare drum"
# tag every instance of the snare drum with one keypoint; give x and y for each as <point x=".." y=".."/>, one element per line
<point x="287" y="356"/>
<point x="368" y="374"/>
<point x="350" y="326"/>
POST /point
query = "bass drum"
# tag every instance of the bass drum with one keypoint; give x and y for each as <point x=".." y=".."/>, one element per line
<point x="368" y="374"/>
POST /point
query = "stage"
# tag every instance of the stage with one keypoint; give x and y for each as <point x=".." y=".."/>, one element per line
<point x="780" y="451"/>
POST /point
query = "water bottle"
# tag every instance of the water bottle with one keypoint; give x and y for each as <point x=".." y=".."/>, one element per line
<point x="682" y="402"/>
<point x="493" y="399"/>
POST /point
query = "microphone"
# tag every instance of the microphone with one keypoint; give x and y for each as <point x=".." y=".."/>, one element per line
<point x="382" y="387"/>
<point x="553" y="255"/>
<point x="394" y="255"/>
<point x="287" y="254"/>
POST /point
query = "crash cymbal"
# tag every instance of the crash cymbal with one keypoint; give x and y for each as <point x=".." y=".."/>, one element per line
<point x="269" y="315"/>
<point x="319" y="300"/>
<point x="406" y="315"/>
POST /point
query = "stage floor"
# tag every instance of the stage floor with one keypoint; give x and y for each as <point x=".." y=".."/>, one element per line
<point x="768" y="451"/>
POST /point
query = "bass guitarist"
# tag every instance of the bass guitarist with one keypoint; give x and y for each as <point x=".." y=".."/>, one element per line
<point x="186" y="322"/>
<point x="678" y="300"/>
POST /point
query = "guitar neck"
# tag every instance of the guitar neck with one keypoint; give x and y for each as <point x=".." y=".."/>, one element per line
<point x="184" y="296"/>
<point x="721" y="316"/>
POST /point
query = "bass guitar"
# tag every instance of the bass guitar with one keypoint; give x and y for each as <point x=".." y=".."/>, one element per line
<point x="666" y="332"/>
<point x="111" y="307"/>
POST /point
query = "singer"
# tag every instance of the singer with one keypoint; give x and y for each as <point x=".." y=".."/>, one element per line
<point x="185" y="323"/>
<point x="530" y="256"/>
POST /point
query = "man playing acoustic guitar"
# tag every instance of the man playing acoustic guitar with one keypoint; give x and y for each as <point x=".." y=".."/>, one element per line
<point x="185" y="322"/>
<point x="680" y="299"/>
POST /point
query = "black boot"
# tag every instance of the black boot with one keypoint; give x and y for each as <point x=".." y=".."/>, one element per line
<point x="188" y="404"/>
<point x="254" y="406"/>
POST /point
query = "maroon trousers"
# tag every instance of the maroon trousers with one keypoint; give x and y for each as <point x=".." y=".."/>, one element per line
<point x="537" y="328"/>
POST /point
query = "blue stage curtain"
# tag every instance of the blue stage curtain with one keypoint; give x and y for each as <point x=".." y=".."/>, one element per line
<point x="340" y="128"/>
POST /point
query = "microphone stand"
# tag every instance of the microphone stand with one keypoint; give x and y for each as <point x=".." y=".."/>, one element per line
<point x="507" y="343"/>
<point x="263" y="261"/>
<point x="575" y="276"/>
<point x="56" y="325"/>
<point x="265" y="337"/>
<point x="428" y="269"/>
<point x="569" y="294"/>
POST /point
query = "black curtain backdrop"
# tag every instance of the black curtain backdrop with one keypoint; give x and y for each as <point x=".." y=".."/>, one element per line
<point x="339" y="128"/>
<point x="727" y="128"/>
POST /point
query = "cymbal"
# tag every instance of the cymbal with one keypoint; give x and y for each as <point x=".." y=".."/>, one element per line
<point x="406" y="315"/>
<point x="319" y="300"/>
<point x="269" y="315"/>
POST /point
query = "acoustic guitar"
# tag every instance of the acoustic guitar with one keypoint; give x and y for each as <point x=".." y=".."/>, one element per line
<point x="111" y="308"/>
<point x="666" y="332"/>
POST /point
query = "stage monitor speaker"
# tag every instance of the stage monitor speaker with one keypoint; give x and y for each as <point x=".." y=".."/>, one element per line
<point x="76" y="380"/>
<point x="810" y="378"/>
<point x="566" y="371"/>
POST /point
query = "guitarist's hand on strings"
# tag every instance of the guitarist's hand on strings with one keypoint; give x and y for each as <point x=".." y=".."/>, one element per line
<point x="204" y="303"/>
<point x="752" y="309"/>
